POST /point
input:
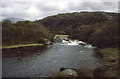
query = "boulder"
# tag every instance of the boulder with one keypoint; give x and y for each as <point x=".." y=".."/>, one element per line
<point x="69" y="72"/>
<point x="57" y="39"/>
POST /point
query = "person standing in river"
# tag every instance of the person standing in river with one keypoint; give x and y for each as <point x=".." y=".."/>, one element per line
<point x="18" y="55"/>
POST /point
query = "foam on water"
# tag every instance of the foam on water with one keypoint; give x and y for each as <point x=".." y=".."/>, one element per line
<point x="76" y="42"/>
<point x="72" y="42"/>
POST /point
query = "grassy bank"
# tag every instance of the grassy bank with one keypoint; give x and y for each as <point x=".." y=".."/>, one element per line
<point x="109" y="54"/>
<point x="22" y="45"/>
<point x="56" y="36"/>
<point x="110" y="60"/>
<point x="61" y="35"/>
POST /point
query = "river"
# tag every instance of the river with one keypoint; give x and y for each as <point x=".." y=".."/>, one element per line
<point x="37" y="61"/>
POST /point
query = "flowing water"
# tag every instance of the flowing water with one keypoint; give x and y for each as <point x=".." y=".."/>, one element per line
<point x="46" y="60"/>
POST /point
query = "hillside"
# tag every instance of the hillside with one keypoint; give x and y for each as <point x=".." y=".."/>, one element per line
<point x="24" y="32"/>
<point x="71" y="20"/>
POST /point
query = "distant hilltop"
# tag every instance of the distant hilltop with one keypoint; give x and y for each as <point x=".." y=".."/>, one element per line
<point x="13" y="19"/>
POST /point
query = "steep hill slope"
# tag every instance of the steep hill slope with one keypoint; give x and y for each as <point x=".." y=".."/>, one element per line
<point x="62" y="21"/>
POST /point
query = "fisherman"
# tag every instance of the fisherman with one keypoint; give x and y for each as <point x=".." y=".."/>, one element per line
<point x="18" y="55"/>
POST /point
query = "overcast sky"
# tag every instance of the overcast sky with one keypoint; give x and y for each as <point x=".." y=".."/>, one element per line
<point x="34" y="9"/>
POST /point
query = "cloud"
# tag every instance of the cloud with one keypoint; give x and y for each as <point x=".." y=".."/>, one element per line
<point x="43" y="8"/>
<point x="93" y="6"/>
<point x="28" y="10"/>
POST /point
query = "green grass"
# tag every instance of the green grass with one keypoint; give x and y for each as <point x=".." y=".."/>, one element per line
<point x="22" y="45"/>
<point x="61" y="36"/>
<point x="110" y="54"/>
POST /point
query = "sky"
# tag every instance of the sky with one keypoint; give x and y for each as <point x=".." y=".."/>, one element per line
<point x="38" y="9"/>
